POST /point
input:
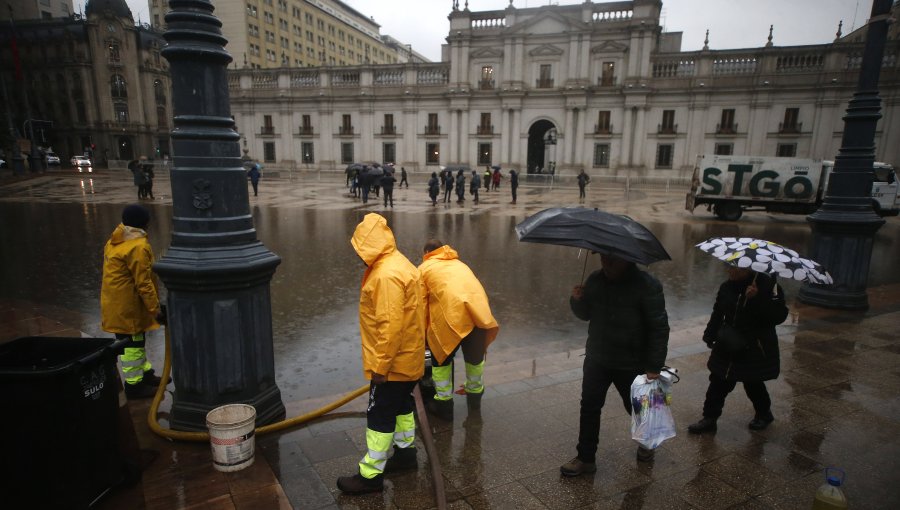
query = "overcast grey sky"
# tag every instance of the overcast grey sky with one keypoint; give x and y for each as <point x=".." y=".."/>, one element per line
<point x="731" y="23"/>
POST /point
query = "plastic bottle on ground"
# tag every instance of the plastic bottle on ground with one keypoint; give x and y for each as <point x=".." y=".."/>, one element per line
<point x="829" y="496"/>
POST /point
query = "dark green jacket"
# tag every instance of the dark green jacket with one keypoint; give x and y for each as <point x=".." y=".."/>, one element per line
<point x="629" y="327"/>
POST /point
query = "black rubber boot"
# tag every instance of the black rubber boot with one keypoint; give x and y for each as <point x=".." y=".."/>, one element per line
<point x="357" y="484"/>
<point x="473" y="401"/>
<point x="443" y="409"/>
<point x="404" y="459"/>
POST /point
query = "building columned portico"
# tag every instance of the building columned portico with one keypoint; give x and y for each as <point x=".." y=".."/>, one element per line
<point x="597" y="86"/>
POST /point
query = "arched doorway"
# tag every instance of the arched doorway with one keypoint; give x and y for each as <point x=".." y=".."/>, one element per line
<point x="542" y="147"/>
<point x="126" y="151"/>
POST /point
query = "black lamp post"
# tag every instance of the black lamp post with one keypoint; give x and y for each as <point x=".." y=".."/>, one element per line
<point x="844" y="227"/>
<point x="217" y="273"/>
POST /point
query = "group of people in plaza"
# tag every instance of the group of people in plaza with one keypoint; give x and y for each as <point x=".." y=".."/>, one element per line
<point x="142" y="170"/>
<point x="443" y="306"/>
<point x="365" y="179"/>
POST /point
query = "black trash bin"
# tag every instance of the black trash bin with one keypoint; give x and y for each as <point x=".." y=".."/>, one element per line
<point x="59" y="422"/>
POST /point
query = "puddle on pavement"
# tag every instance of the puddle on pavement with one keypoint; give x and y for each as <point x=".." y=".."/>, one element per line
<point x="51" y="255"/>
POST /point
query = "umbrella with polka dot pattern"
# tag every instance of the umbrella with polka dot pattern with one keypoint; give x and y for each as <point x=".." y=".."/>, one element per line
<point x="765" y="257"/>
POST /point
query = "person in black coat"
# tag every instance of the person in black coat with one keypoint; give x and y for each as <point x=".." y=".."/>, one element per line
<point x="475" y="185"/>
<point x="513" y="184"/>
<point x="753" y="303"/>
<point x="434" y="188"/>
<point x="448" y="185"/>
<point x="460" y="186"/>
<point x="628" y="335"/>
<point x="387" y="185"/>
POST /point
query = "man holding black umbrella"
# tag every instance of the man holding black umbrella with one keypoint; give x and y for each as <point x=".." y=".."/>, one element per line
<point x="628" y="335"/>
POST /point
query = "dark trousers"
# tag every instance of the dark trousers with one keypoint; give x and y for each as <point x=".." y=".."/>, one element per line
<point x="472" y="347"/>
<point x="447" y="192"/>
<point x="404" y="181"/>
<point x="580" y="191"/>
<point x="513" y="189"/>
<point x="594" y="386"/>
<point x="386" y="402"/>
<point x="720" y="388"/>
<point x="389" y="196"/>
<point x="475" y="193"/>
<point x="255" y="185"/>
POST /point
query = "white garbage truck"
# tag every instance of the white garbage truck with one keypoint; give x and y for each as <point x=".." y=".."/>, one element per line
<point x="730" y="185"/>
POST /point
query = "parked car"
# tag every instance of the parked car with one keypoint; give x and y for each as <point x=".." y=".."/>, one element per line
<point x="52" y="159"/>
<point x="78" y="161"/>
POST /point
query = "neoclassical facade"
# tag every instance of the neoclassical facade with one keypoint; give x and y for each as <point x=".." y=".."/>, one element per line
<point x="100" y="81"/>
<point x="597" y="86"/>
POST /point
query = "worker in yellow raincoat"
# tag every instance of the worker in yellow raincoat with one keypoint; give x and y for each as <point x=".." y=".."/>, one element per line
<point x="459" y="315"/>
<point x="392" y="328"/>
<point x="129" y="302"/>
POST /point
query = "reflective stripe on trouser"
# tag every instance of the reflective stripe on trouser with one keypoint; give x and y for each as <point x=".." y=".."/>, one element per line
<point x="134" y="360"/>
<point x="442" y="386"/>
<point x="475" y="377"/>
<point x="378" y="444"/>
<point x="405" y="433"/>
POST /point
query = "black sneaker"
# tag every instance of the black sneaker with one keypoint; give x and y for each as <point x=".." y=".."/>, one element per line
<point x="760" y="422"/>
<point x="139" y="391"/>
<point x="576" y="467"/>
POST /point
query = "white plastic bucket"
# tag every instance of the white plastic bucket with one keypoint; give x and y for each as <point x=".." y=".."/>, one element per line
<point x="231" y="435"/>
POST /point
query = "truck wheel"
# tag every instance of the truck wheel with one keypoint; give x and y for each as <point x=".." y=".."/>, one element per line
<point x="729" y="211"/>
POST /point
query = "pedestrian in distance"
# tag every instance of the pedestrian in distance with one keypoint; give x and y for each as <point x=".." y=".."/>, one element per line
<point x="139" y="179"/>
<point x="129" y="299"/>
<point x="149" y="175"/>
<point x="460" y="186"/>
<point x="354" y="182"/>
<point x="365" y="180"/>
<point x="458" y="316"/>
<point x="628" y="335"/>
<point x="448" y="185"/>
<point x="475" y="185"/>
<point x="495" y="179"/>
<point x="752" y="304"/>
<point x="387" y="185"/>
<point x="434" y="188"/>
<point x="254" y="174"/>
<point x="403" y="178"/>
<point x="513" y="184"/>
<point x="487" y="179"/>
<point x="583" y="180"/>
<point x="392" y="331"/>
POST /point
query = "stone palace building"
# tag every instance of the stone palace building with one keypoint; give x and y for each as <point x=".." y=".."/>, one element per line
<point x="555" y="88"/>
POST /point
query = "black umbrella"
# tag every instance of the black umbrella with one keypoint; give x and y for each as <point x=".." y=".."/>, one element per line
<point x="594" y="230"/>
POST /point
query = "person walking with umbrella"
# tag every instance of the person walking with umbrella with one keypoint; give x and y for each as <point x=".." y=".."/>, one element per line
<point x="628" y="331"/>
<point x="628" y="335"/>
<point x="748" y="306"/>
<point x="741" y="329"/>
<point x="254" y="174"/>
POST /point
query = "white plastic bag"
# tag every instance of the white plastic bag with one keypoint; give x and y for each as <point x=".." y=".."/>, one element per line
<point x="651" y="414"/>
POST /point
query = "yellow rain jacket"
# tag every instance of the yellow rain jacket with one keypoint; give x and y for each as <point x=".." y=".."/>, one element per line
<point x="391" y="305"/>
<point x="457" y="303"/>
<point x="128" y="298"/>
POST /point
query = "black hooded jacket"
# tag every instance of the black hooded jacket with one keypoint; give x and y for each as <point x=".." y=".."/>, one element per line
<point x="756" y="319"/>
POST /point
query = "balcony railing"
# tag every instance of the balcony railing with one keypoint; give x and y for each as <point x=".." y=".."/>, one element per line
<point x="666" y="129"/>
<point x="607" y="81"/>
<point x="432" y="130"/>
<point x="486" y="85"/>
<point x="345" y="130"/>
<point x="485" y="130"/>
<point x="602" y="129"/>
<point x="726" y="129"/>
<point x="790" y="129"/>
<point x="544" y="83"/>
<point x="306" y="131"/>
<point x="389" y="130"/>
<point x="267" y="130"/>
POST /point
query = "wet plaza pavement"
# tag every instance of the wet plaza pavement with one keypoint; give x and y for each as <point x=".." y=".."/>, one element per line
<point x="836" y="402"/>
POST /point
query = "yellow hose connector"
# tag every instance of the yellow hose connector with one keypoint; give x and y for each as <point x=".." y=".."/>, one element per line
<point x="157" y="429"/>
